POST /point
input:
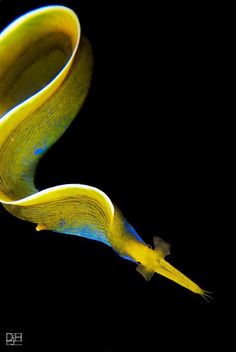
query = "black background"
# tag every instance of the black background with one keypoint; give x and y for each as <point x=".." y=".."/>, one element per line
<point x="151" y="136"/>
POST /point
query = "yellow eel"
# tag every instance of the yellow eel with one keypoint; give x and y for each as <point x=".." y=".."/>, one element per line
<point x="45" y="73"/>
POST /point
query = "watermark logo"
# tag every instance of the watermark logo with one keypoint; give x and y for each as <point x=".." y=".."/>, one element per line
<point x="14" y="339"/>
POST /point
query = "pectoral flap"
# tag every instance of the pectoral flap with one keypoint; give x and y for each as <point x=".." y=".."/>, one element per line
<point x="147" y="274"/>
<point x="162" y="247"/>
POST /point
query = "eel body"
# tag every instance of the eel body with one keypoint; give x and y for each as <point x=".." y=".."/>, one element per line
<point x="45" y="73"/>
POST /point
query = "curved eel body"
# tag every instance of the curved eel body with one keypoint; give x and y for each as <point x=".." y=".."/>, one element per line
<point x="45" y="73"/>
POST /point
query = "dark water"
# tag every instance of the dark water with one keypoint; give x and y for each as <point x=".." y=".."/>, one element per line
<point x="153" y="135"/>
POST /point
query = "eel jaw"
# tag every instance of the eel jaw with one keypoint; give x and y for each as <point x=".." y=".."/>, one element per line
<point x="166" y="269"/>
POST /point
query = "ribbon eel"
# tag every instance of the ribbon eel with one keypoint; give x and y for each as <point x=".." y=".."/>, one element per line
<point x="45" y="73"/>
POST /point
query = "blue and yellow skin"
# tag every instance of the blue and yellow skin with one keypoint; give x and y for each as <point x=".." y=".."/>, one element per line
<point x="45" y="73"/>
